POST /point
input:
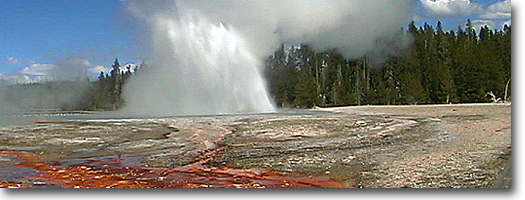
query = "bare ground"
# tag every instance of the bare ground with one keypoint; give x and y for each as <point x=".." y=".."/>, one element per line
<point x="427" y="146"/>
<point x="475" y="153"/>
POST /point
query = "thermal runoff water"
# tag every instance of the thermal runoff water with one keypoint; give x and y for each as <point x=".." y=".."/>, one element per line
<point x="200" y="67"/>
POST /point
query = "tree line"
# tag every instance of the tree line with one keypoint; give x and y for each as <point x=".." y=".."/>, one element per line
<point x="106" y="92"/>
<point x="458" y="66"/>
<point x="438" y="67"/>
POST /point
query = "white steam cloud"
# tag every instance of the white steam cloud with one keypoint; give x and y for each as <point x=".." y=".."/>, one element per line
<point x="208" y="54"/>
<point x="352" y="26"/>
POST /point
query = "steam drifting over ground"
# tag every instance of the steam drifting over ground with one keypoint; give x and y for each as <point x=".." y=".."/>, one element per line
<point x="66" y="82"/>
<point x="208" y="54"/>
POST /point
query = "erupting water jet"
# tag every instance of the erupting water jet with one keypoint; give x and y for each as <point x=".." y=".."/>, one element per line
<point x="200" y="67"/>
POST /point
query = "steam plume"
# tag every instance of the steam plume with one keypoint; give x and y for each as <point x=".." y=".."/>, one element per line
<point x="204" y="49"/>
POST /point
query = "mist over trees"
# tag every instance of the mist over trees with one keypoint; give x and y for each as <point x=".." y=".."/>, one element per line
<point x="438" y="67"/>
<point x="106" y="93"/>
<point x="458" y="66"/>
<point x="102" y="94"/>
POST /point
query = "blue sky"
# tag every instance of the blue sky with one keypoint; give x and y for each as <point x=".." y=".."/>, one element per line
<point x="452" y="13"/>
<point x="37" y="35"/>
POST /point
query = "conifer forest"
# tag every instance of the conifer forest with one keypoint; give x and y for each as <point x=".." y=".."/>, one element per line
<point x="438" y="67"/>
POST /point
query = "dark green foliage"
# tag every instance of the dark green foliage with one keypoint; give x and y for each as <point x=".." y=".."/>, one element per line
<point x="106" y="93"/>
<point x="438" y="67"/>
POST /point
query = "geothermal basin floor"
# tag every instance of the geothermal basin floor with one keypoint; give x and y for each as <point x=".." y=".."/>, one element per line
<point x="427" y="146"/>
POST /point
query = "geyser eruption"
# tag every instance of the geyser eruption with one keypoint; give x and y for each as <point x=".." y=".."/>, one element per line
<point x="208" y="54"/>
<point x="200" y="67"/>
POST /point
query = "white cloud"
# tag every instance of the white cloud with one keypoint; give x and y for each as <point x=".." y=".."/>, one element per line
<point x="36" y="69"/>
<point x="477" y="24"/>
<point x="499" y="10"/>
<point x="96" y="69"/>
<point x="132" y="66"/>
<point x="492" y="24"/>
<point x="508" y="22"/>
<point x="14" y="79"/>
<point x="12" y="61"/>
<point x="35" y="72"/>
<point x="495" y="16"/>
<point x="68" y="69"/>
<point x="451" y="8"/>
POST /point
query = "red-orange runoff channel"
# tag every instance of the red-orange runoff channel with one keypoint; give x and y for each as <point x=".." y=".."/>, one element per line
<point x="113" y="174"/>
